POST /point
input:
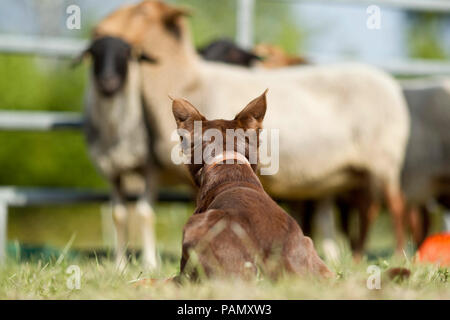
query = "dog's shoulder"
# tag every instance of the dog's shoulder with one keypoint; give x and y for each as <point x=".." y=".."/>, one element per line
<point x="199" y="224"/>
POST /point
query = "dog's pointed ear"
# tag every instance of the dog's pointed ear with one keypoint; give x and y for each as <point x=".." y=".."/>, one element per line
<point x="253" y="114"/>
<point x="185" y="114"/>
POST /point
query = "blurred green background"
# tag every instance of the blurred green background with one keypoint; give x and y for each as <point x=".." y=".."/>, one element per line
<point x="59" y="159"/>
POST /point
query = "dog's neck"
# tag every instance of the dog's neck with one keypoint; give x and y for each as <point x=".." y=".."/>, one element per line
<point x="226" y="170"/>
<point x="227" y="157"/>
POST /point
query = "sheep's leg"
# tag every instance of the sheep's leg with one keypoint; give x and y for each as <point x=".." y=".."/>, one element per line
<point x="345" y="211"/>
<point x="425" y="223"/>
<point x="302" y="211"/>
<point x="307" y="218"/>
<point x="419" y="223"/>
<point x="326" y="224"/>
<point x="147" y="224"/>
<point x="368" y="211"/>
<point x="120" y="217"/>
<point x="447" y="220"/>
<point x="396" y="206"/>
<point x="147" y="217"/>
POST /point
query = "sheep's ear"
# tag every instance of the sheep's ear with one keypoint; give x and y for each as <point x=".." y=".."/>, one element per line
<point x="78" y="59"/>
<point x="240" y="54"/>
<point x="96" y="32"/>
<point x="144" y="57"/>
<point x="185" y="114"/>
<point x="173" y="13"/>
<point x="170" y="19"/>
<point x="253" y="56"/>
<point x="252" y="116"/>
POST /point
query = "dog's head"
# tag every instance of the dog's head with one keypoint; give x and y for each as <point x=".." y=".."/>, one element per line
<point x="203" y="141"/>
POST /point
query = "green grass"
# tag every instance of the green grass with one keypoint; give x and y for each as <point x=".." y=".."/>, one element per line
<point x="44" y="276"/>
<point x="28" y="159"/>
<point x="54" y="159"/>
<point x="59" y="159"/>
<point x="100" y="280"/>
<point x="53" y="227"/>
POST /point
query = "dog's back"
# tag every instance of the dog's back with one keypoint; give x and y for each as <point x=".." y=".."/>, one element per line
<point x="249" y="225"/>
<point x="237" y="228"/>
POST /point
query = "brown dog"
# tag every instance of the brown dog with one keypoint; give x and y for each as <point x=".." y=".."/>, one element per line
<point x="237" y="229"/>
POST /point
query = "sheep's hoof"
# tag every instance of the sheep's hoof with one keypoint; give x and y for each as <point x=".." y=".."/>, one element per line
<point x="121" y="264"/>
<point x="150" y="264"/>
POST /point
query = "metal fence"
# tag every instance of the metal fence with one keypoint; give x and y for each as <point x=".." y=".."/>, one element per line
<point x="11" y="196"/>
<point x="439" y="6"/>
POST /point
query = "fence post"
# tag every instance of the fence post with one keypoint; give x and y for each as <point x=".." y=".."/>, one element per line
<point x="3" y="230"/>
<point x="244" y="36"/>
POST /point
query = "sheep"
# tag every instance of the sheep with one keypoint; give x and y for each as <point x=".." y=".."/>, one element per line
<point x="263" y="55"/>
<point x="117" y="137"/>
<point x="224" y="50"/>
<point x="426" y="173"/>
<point x="275" y="57"/>
<point x="336" y="122"/>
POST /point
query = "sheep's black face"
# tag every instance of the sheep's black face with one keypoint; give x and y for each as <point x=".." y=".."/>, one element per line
<point x="110" y="57"/>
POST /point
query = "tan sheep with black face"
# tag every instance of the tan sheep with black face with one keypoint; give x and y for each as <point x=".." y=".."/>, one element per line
<point x="116" y="134"/>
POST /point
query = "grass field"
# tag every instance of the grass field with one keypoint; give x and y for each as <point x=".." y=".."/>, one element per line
<point x="63" y="234"/>
<point x="59" y="159"/>
<point x="100" y="280"/>
<point x="45" y="277"/>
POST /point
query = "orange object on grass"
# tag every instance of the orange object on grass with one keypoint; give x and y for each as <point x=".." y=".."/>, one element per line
<point x="436" y="249"/>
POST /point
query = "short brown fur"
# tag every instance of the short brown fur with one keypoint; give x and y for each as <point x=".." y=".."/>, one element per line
<point x="236" y="227"/>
